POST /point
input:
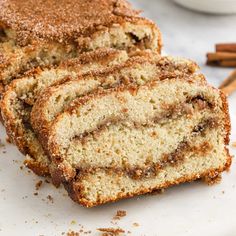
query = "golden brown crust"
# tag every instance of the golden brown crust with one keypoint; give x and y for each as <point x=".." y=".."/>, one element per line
<point x="227" y="122"/>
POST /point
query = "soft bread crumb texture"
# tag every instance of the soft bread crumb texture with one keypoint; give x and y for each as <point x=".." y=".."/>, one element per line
<point x="139" y="103"/>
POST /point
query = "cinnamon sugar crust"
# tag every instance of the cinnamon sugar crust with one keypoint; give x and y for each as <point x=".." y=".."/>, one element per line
<point x="64" y="20"/>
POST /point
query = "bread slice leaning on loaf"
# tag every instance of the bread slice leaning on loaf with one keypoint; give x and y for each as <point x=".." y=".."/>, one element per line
<point x="67" y="28"/>
<point x="133" y="139"/>
<point x="22" y="93"/>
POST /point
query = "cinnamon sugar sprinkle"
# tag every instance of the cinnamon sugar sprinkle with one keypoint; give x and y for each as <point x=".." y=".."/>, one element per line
<point x="61" y="20"/>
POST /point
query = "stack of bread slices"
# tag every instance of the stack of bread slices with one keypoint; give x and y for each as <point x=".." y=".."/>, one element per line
<point x="88" y="99"/>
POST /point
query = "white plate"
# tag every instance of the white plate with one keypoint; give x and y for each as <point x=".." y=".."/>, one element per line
<point x="188" y="209"/>
<point x="210" y="6"/>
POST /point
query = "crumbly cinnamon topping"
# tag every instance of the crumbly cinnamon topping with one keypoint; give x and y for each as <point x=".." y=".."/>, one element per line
<point x="61" y="20"/>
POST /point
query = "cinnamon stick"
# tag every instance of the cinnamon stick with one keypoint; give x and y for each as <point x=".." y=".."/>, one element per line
<point x="225" y="59"/>
<point x="219" y="56"/>
<point x="228" y="80"/>
<point x="228" y="86"/>
<point x="223" y="63"/>
<point x="226" y="47"/>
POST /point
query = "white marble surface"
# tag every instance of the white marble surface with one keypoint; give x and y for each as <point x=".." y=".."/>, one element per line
<point x="187" y="210"/>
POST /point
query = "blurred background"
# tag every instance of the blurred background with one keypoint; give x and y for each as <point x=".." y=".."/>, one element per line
<point x="192" y="34"/>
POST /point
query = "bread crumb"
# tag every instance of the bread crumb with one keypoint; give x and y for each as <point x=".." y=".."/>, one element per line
<point x="119" y="214"/>
<point x="212" y="178"/>
<point x="50" y="198"/>
<point x="38" y="185"/>
<point x="136" y="224"/>
<point x="72" y="233"/>
<point x="111" y="231"/>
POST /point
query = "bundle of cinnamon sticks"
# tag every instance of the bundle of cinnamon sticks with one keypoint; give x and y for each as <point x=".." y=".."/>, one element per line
<point x="225" y="56"/>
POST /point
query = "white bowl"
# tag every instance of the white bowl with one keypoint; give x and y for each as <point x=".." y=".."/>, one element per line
<point x="210" y="6"/>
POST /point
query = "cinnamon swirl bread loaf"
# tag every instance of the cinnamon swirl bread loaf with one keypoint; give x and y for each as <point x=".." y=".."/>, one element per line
<point x="114" y="143"/>
<point x="35" y="33"/>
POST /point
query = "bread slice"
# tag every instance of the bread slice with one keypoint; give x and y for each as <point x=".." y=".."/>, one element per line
<point x="47" y="32"/>
<point x="136" y="70"/>
<point x="22" y="93"/>
<point x="130" y="140"/>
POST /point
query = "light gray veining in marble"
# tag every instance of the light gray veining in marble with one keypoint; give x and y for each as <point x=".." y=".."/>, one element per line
<point x="190" y="34"/>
